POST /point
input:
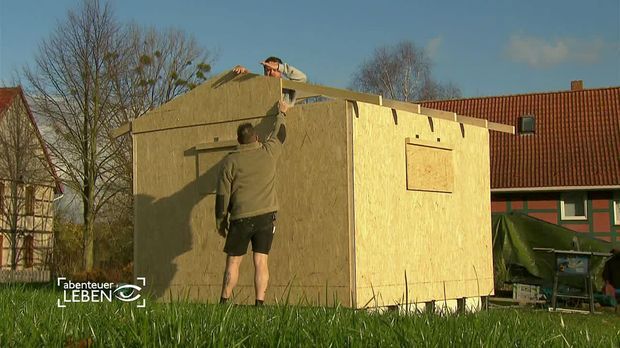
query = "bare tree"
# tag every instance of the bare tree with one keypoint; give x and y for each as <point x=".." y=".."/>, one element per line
<point x="153" y="68"/>
<point x="401" y="72"/>
<point x="158" y="66"/>
<point x="93" y="74"/>
<point x="72" y="89"/>
<point x="23" y="170"/>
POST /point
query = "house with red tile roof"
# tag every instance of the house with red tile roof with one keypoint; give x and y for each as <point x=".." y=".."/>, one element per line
<point x="28" y="185"/>
<point x="563" y="163"/>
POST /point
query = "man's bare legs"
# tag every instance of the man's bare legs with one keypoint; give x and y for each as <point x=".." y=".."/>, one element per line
<point x="261" y="275"/>
<point x="231" y="275"/>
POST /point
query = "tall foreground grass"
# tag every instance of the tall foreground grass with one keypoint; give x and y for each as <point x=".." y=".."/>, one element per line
<point x="29" y="317"/>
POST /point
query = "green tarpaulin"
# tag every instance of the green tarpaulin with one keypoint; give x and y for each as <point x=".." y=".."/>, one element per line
<point x="514" y="237"/>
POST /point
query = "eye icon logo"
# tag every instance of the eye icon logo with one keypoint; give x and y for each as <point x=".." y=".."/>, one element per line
<point x="127" y="292"/>
<point x="80" y="292"/>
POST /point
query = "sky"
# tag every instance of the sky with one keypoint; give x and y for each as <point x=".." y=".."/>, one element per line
<point x="484" y="47"/>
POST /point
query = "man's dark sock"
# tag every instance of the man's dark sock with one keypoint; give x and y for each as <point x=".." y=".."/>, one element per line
<point x="258" y="302"/>
<point x="223" y="300"/>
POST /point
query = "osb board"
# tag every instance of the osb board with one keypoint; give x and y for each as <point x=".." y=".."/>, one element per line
<point x="223" y="98"/>
<point x="442" y="241"/>
<point x="429" y="168"/>
<point x="176" y="246"/>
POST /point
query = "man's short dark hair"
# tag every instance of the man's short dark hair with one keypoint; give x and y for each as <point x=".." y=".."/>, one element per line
<point x="245" y="133"/>
<point x="274" y="59"/>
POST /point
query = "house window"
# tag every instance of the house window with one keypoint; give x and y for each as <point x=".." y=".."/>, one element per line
<point x="527" y="124"/>
<point x="30" y="200"/>
<point x="28" y="251"/>
<point x="574" y="206"/>
<point x="617" y="208"/>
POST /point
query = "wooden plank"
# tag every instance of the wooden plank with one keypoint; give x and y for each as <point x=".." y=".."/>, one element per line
<point x="209" y="155"/>
<point x="446" y="115"/>
<point x="514" y="301"/>
<point x="404" y="106"/>
<point x="300" y="95"/>
<point x="134" y="190"/>
<point x="218" y="100"/>
<point x="428" y="143"/>
<point x="480" y="122"/>
<point x="336" y="93"/>
<point x="499" y="127"/>
<point x="429" y="168"/>
<point x="122" y="130"/>
<point x="350" y="114"/>
<point x="217" y="145"/>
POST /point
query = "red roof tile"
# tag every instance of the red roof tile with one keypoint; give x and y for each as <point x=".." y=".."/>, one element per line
<point x="576" y="143"/>
<point x="6" y="97"/>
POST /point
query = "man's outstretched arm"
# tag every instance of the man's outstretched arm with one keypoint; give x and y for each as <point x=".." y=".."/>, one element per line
<point x="280" y="126"/>
<point x="292" y="73"/>
<point x="276" y="140"/>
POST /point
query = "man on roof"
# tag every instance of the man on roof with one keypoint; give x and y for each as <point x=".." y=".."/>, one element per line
<point x="274" y="67"/>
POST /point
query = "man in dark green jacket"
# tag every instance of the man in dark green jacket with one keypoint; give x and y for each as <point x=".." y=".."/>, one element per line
<point x="246" y="195"/>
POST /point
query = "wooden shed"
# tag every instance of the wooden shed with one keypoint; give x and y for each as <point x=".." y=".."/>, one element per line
<point x="381" y="202"/>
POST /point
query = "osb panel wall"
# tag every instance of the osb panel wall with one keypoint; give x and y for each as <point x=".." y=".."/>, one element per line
<point x="177" y="247"/>
<point x="441" y="240"/>
<point x="222" y="98"/>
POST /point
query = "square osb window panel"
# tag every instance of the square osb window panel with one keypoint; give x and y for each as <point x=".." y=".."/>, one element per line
<point x="429" y="167"/>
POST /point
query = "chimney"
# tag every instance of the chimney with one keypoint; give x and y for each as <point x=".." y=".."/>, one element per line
<point x="576" y="85"/>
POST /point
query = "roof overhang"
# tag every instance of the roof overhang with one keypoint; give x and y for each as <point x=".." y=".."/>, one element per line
<point x="556" y="188"/>
<point x="307" y="90"/>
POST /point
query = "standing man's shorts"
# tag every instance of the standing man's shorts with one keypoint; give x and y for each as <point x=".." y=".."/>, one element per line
<point x="258" y="229"/>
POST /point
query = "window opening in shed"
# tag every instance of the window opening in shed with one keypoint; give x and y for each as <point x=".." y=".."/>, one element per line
<point x="429" y="166"/>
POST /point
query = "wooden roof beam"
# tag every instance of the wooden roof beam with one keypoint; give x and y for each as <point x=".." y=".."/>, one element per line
<point x="404" y="106"/>
<point x="308" y="90"/>
<point x="480" y="122"/>
<point x="122" y="130"/>
<point x="500" y="127"/>
<point x="446" y="115"/>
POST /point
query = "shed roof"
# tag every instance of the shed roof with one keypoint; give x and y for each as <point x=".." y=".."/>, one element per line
<point x="304" y="90"/>
<point x="576" y="141"/>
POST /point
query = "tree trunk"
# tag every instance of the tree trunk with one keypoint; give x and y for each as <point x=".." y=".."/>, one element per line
<point x="88" y="236"/>
<point x="14" y="216"/>
<point x="14" y="250"/>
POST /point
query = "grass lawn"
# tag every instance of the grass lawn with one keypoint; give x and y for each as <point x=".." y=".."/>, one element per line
<point x="30" y="317"/>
